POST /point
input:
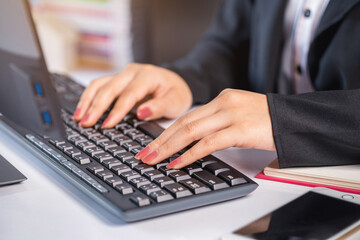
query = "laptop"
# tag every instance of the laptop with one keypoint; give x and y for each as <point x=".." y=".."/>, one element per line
<point x="36" y="110"/>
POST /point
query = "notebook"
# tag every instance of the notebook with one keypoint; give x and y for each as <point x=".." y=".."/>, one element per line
<point x="343" y="178"/>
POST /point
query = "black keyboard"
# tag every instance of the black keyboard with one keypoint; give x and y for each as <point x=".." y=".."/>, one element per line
<point x="102" y="160"/>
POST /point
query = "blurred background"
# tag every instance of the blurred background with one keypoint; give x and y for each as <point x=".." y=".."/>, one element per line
<point x="102" y="36"/>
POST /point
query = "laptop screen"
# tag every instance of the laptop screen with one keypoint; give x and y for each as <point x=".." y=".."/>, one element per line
<point x="27" y="97"/>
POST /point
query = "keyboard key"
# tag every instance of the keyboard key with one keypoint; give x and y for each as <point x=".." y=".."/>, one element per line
<point x="166" y="171"/>
<point x="94" y="150"/>
<point x="179" y="175"/>
<point x="144" y="140"/>
<point x="71" y="133"/>
<point x="124" y="188"/>
<point x="119" y="169"/>
<point x="65" y="146"/>
<point x="192" y="168"/>
<point x="204" y="162"/>
<point x="113" y="181"/>
<point x="153" y="174"/>
<point x="151" y="129"/>
<point x="116" y="150"/>
<point x="140" y="200"/>
<point x="99" y="139"/>
<point x="163" y="181"/>
<point x="216" y="168"/>
<point x="129" y="175"/>
<point x="72" y="152"/>
<point x="82" y="159"/>
<point x="132" y="162"/>
<point x="232" y="177"/>
<point x="135" y="134"/>
<point x="178" y="190"/>
<point x="104" y="174"/>
<point x="210" y="180"/>
<point x="91" y="133"/>
<point x="161" y="164"/>
<point x="125" y="129"/>
<point x="107" y="145"/>
<point x="161" y="196"/>
<point x="142" y="168"/>
<point x="95" y="168"/>
<point x="136" y="150"/>
<point x="124" y="156"/>
<point x="195" y="186"/>
<point x="103" y="156"/>
<point x="135" y="122"/>
<point x="85" y="145"/>
<point x="149" y="188"/>
<point x="112" y="134"/>
<point x="77" y="139"/>
<point x="130" y="145"/>
<point x="121" y="140"/>
<point x="111" y="163"/>
<point x="138" y="182"/>
<point x="56" y="143"/>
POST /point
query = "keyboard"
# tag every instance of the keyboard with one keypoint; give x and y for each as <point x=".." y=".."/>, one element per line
<point x="102" y="162"/>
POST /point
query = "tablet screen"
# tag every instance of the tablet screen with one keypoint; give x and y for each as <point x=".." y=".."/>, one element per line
<point x="311" y="216"/>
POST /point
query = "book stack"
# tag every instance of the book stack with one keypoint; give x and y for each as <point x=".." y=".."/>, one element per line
<point x="342" y="178"/>
<point x="103" y="26"/>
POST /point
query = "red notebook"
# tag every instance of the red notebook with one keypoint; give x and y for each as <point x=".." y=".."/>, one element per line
<point x="341" y="178"/>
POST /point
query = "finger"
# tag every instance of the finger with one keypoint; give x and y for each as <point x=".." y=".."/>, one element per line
<point x="88" y="95"/>
<point x="106" y="95"/>
<point x="188" y="134"/>
<point x="201" y="112"/>
<point x="209" y="144"/>
<point x="134" y="92"/>
<point x="155" y="108"/>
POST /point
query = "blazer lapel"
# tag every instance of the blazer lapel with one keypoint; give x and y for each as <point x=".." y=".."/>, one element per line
<point x="333" y="14"/>
<point x="335" y="11"/>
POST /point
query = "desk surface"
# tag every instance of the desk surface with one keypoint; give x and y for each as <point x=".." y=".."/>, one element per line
<point x="46" y="206"/>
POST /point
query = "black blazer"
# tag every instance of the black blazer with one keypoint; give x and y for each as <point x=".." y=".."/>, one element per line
<point x="243" y="50"/>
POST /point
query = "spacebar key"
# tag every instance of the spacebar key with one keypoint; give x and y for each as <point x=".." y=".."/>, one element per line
<point x="151" y="129"/>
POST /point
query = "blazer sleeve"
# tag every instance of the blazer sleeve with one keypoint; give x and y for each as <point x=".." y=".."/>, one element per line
<point x="316" y="129"/>
<point x="220" y="58"/>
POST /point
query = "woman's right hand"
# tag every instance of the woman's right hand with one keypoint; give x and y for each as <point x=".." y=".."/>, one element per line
<point x="169" y="94"/>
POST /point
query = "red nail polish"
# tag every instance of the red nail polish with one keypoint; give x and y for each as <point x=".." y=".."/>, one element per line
<point x="104" y="124"/>
<point x="142" y="153"/>
<point x="85" y="118"/>
<point x="150" y="157"/>
<point x="144" y="113"/>
<point x="173" y="163"/>
<point x="76" y="113"/>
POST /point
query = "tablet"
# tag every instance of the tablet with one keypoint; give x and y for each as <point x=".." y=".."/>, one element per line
<point x="319" y="214"/>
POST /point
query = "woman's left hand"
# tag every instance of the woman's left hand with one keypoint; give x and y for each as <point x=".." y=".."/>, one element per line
<point x="235" y="118"/>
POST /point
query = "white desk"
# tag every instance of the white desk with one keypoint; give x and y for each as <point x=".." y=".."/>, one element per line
<point x="48" y="207"/>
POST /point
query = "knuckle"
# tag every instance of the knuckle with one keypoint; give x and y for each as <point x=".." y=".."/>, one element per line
<point x="209" y="141"/>
<point x="226" y="90"/>
<point x="182" y="121"/>
<point x="190" y="128"/>
<point x="229" y="97"/>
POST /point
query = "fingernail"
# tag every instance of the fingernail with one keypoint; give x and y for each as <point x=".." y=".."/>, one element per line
<point x="85" y="119"/>
<point x="144" y="113"/>
<point x="150" y="157"/>
<point x="76" y="113"/>
<point x="142" y="153"/>
<point x="104" y="124"/>
<point x="173" y="163"/>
